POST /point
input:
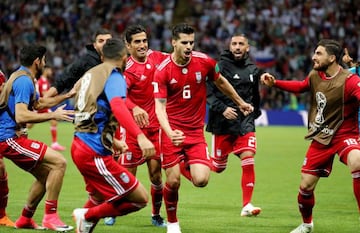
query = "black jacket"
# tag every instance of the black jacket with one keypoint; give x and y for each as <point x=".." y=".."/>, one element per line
<point x="74" y="71"/>
<point x="244" y="77"/>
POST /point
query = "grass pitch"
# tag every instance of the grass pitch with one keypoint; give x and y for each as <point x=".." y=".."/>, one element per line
<point x="216" y="208"/>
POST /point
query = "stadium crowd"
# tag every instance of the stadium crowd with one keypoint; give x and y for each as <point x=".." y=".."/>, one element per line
<point x="282" y="32"/>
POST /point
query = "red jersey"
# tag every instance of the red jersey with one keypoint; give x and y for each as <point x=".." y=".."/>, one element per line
<point x="184" y="87"/>
<point x="2" y="78"/>
<point x="351" y="100"/>
<point x="42" y="85"/>
<point x="139" y="79"/>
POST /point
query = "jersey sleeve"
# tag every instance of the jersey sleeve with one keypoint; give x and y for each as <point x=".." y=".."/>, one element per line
<point x="353" y="86"/>
<point x="293" y="86"/>
<point x="160" y="86"/>
<point x="23" y="89"/>
<point x="214" y="70"/>
<point x="115" y="86"/>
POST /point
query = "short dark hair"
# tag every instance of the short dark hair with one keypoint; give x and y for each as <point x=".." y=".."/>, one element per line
<point x="181" y="28"/>
<point x="29" y="53"/>
<point x="332" y="47"/>
<point x="133" y="29"/>
<point x="101" y="31"/>
<point x="114" y="49"/>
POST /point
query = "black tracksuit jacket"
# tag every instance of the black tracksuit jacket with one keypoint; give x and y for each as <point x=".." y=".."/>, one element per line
<point x="244" y="77"/>
<point x="74" y="71"/>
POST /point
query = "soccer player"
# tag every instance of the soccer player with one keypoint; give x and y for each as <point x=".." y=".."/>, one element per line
<point x="42" y="85"/>
<point x="140" y="99"/>
<point x="232" y="131"/>
<point x="113" y="190"/>
<point x="4" y="187"/>
<point x="73" y="72"/>
<point x="17" y="100"/>
<point x="180" y="104"/>
<point x="333" y="124"/>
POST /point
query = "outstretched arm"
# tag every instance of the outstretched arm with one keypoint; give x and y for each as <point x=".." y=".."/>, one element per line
<point x="290" y="86"/>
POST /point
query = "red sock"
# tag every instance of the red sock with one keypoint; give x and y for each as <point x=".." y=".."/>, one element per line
<point x="28" y="212"/>
<point x="185" y="170"/>
<point x="51" y="206"/>
<point x="112" y="209"/>
<point x="356" y="186"/>
<point x="248" y="178"/>
<point x="156" y="196"/>
<point x="171" y="197"/>
<point x="306" y="201"/>
<point x="53" y="130"/>
<point x="4" y="191"/>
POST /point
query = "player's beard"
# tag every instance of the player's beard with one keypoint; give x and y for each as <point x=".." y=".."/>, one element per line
<point x="39" y="71"/>
<point x="322" y="67"/>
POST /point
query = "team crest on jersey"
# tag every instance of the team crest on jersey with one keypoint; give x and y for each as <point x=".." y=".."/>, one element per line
<point x="124" y="177"/>
<point x="142" y="78"/>
<point x="251" y="78"/>
<point x="35" y="145"/>
<point x="184" y="70"/>
<point x="148" y="66"/>
<point x="128" y="155"/>
<point x="198" y="77"/>
<point x="218" y="152"/>
<point x="236" y="76"/>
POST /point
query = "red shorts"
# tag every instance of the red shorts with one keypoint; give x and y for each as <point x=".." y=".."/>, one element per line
<point x="102" y="174"/>
<point x="223" y="145"/>
<point x="133" y="156"/>
<point x="193" y="150"/>
<point x="24" y="152"/>
<point x="319" y="158"/>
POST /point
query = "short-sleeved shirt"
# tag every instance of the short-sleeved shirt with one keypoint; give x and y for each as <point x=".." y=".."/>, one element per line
<point x="115" y="86"/>
<point x="22" y="92"/>
<point x="139" y="80"/>
<point x="184" y="87"/>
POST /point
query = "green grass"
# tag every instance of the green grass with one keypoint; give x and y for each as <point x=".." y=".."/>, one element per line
<point x="216" y="208"/>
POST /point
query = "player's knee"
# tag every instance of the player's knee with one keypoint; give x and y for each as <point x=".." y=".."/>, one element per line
<point x="141" y="205"/>
<point x="60" y="163"/>
<point x="156" y="178"/>
<point x="200" y="181"/>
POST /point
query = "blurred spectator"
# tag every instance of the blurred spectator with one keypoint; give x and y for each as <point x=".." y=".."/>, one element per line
<point x="281" y="32"/>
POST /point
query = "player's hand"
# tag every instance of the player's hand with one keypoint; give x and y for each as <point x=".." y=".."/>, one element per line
<point x="246" y="108"/>
<point x="230" y="113"/>
<point x="71" y="93"/>
<point x="62" y="114"/>
<point x="120" y="146"/>
<point x="141" y="116"/>
<point x="346" y="58"/>
<point x="267" y="79"/>
<point x="177" y="137"/>
<point x="147" y="148"/>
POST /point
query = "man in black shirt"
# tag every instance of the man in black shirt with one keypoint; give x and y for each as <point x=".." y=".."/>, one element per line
<point x="233" y="132"/>
<point x="74" y="71"/>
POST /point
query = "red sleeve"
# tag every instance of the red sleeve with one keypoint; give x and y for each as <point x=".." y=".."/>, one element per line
<point x="293" y="86"/>
<point x="123" y="116"/>
<point x="352" y="86"/>
<point x="129" y="104"/>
